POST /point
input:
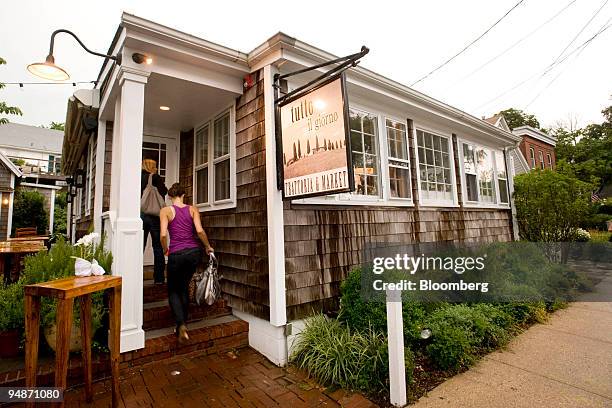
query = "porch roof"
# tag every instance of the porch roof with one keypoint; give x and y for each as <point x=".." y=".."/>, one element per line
<point x="81" y="121"/>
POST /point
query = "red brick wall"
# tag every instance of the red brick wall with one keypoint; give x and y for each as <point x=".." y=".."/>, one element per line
<point x="538" y="146"/>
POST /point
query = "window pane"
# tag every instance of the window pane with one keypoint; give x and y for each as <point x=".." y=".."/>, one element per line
<point x="500" y="165"/>
<point x="201" y="145"/>
<point x="471" y="189"/>
<point x="364" y="148"/>
<point x="202" y="186"/>
<point x="399" y="182"/>
<point x="503" y="191"/>
<point x="221" y="129"/>
<point x="222" y="180"/>
<point x="469" y="165"/>
<point x="396" y="140"/>
<point x="484" y="162"/>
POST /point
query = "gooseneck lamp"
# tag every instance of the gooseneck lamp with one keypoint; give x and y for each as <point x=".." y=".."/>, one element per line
<point x="48" y="69"/>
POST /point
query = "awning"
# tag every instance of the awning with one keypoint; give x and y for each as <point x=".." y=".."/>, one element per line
<point x="81" y="124"/>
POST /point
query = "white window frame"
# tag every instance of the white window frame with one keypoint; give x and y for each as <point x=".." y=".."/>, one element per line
<point x="358" y="199"/>
<point x="541" y="157"/>
<point x="387" y="187"/>
<point x="532" y="157"/>
<point x="492" y="151"/>
<point x="213" y="204"/>
<point x="549" y="158"/>
<point x="427" y="202"/>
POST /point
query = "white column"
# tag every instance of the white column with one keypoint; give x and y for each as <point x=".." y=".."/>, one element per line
<point x="99" y="186"/>
<point x="395" y="333"/>
<point x="51" y="211"/>
<point x="125" y="203"/>
<point x="510" y="177"/>
<point x="274" y="207"/>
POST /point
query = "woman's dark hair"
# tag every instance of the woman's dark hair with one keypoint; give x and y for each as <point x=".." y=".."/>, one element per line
<point x="176" y="190"/>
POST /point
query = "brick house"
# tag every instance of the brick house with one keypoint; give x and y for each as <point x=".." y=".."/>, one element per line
<point x="206" y="114"/>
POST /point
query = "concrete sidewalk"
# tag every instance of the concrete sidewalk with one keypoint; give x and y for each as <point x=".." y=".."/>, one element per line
<point x="566" y="362"/>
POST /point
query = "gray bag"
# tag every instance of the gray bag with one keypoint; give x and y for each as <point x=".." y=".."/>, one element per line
<point x="151" y="201"/>
<point x="208" y="288"/>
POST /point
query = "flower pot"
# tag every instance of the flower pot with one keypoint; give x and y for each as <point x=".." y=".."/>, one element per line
<point x="9" y="343"/>
<point x="75" y="338"/>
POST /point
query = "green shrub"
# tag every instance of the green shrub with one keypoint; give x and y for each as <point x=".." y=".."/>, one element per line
<point x="461" y="332"/>
<point x="12" y="307"/>
<point x="336" y="355"/>
<point x="58" y="263"/>
<point x="597" y="222"/>
<point x="550" y="205"/>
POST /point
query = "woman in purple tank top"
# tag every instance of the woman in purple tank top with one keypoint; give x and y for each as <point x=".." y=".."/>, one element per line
<point x="182" y="223"/>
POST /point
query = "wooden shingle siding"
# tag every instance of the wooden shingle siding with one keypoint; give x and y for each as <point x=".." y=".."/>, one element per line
<point x="239" y="235"/>
<point x="323" y="244"/>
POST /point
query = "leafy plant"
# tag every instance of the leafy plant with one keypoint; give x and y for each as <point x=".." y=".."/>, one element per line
<point x="550" y="206"/>
<point x="336" y="355"/>
<point x="58" y="263"/>
<point x="11" y="305"/>
<point x="4" y="108"/>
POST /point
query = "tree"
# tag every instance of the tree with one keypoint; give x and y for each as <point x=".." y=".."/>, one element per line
<point x="586" y="153"/>
<point x="550" y="206"/>
<point x="29" y="211"/>
<point x="516" y="117"/>
<point x="4" y="108"/>
<point x="54" y="126"/>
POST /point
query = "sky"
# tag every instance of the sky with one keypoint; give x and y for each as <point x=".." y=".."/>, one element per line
<point x="407" y="40"/>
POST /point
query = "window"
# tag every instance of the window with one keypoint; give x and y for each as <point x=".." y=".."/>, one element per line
<point x="502" y="178"/>
<point x="434" y="166"/>
<point x="486" y="186"/>
<point x="214" y="174"/>
<point x="532" y="157"/>
<point x="399" y="164"/>
<point x="364" y="150"/>
<point x="541" y="157"/>
<point x="89" y="176"/>
<point x="549" y="158"/>
<point x="469" y="167"/>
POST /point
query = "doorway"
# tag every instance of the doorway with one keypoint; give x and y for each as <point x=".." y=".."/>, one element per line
<point x="165" y="153"/>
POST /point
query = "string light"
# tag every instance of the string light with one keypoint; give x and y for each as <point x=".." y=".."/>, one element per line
<point x="21" y="84"/>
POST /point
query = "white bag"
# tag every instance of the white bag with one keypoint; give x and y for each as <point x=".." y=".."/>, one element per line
<point x="151" y="201"/>
<point x="208" y="288"/>
<point x="82" y="267"/>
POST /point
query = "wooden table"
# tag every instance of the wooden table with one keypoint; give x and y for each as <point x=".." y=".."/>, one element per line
<point x="12" y="250"/>
<point x="30" y="238"/>
<point x="65" y="291"/>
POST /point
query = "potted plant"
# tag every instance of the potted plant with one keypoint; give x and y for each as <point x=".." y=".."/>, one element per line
<point x="58" y="263"/>
<point x="11" y="318"/>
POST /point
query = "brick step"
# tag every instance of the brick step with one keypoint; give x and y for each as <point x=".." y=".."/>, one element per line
<point x="147" y="272"/>
<point x="216" y="335"/>
<point x="152" y="292"/>
<point x="157" y="315"/>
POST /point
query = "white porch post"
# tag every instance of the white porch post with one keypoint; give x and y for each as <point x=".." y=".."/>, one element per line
<point x="125" y="203"/>
<point x="99" y="187"/>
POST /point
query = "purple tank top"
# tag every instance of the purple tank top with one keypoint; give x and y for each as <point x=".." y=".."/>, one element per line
<point x="182" y="231"/>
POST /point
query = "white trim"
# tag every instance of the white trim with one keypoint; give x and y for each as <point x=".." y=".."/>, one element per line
<point x="274" y="209"/>
<point x="536" y="134"/>
<point x="99" y="187"/>
<point x="532" y="159"/>
<point x="48" y="186"/>
<point x="11" y="166"/>
<point x="541" y="158"/>
<point x="9" y="224"/>
<point x="212" y="204"/>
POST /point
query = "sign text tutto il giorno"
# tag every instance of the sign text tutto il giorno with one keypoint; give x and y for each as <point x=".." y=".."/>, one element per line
<point x="315" y="144"/>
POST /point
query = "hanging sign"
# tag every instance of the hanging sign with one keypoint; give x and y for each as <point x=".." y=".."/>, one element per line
<point x="315" y="142"/>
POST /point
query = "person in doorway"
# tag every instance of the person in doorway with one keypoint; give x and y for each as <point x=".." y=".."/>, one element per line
<point x="150" y="223"/>
<point x="182" y="222"/>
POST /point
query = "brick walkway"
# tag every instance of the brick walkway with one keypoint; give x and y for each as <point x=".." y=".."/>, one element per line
<point x="245" y="379"/>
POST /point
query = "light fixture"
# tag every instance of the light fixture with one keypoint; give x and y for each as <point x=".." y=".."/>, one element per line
<point x="164" y="108"/>
<point x="425" y="334"/>
<point x="140" y="58"/>
<point x="68" y="198"/>
<point x="79" y="178"/>
<point x="72" y="191"/>
<point x="5" y="201"/>
<point x="48" y="69"/>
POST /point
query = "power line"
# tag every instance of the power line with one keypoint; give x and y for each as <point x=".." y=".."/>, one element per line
<point x="604" y="28"/>
<point x="514" y="45"/>
<point x="21" y="84"/>
<point x="467" y="46"/>
<point x="546" y="69"/>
